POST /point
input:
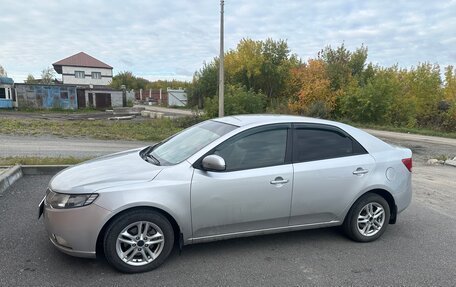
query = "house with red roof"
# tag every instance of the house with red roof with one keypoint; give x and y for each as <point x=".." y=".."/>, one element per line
<point x="83" y="69"/>
<point x="85" y="83"/>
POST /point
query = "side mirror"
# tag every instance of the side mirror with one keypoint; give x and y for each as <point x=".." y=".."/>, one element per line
<point x="213" y="163"/>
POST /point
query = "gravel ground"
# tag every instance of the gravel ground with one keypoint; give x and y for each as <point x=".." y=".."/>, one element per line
<point x="434" y="185"/>
<point x="423" y="147"/>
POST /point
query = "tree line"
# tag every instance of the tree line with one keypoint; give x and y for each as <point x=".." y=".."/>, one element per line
<point x="264" y="76"/>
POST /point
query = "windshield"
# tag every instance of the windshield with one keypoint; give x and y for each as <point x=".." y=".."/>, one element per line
<point x="186" y="143"/>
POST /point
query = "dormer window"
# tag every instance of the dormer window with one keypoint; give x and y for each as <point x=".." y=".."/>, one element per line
<point x="96" y="75"/>
<point x="79" y="74"/>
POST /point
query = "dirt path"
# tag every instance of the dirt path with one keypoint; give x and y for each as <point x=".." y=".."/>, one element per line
<point x="423" y="147"/>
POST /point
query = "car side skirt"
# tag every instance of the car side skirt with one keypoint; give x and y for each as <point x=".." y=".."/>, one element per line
<point x="262" y="232"/>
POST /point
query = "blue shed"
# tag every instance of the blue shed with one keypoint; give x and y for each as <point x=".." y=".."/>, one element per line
<point x="6" y="92"/>
<point x="46" y="96"/>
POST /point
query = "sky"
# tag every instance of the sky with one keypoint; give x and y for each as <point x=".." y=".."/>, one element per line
<point x="172" y="39"/>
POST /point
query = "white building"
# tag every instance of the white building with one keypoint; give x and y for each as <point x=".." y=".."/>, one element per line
<point x="91" y="78"/>
<point x="83" y="69"/>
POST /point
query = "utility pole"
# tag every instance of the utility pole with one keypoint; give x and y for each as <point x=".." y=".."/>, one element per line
<point x="222" y="57"/>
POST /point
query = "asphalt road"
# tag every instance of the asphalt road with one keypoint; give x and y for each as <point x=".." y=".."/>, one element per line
<point x="51" y="146"/>
<point x="419" y="250"/>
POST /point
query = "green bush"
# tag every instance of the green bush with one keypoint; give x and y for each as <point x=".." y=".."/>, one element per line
<point x="238" y="100"/>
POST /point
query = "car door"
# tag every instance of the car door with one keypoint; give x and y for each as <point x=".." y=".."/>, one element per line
<point x="253" y="193"/>
<point x="330" y="169"/>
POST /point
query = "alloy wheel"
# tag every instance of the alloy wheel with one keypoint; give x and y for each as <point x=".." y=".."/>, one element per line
<point x="371" y="219"/>
<point x="140" y="243"/>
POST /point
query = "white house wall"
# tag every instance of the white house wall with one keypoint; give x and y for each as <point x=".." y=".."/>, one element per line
<point x="68" y="76"/>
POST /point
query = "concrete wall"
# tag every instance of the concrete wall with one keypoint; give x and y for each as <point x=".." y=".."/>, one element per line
<point x="46" y="96"/>
<point x="68" y="76"/>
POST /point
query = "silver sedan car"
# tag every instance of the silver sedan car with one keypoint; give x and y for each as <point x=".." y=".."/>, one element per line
<point x="224" y="178"/>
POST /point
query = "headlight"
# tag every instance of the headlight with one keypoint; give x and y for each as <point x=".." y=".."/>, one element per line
<point x="62" y="200"/>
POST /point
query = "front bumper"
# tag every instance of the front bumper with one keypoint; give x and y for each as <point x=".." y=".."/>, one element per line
<point x="74" y="231"/>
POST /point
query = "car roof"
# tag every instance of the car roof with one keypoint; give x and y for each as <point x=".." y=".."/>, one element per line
<point x="243" y="120"/>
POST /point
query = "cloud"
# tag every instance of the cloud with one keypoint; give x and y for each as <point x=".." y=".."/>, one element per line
<point x="174" y="38"/>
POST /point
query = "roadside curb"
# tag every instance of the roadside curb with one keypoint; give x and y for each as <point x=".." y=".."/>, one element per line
<point x="16" y="172"/>
<point x="9" y="177"/>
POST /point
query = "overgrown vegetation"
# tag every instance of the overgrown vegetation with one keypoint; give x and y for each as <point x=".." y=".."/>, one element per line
<point x="238" y="100"/>
<point x="153" y="130"/>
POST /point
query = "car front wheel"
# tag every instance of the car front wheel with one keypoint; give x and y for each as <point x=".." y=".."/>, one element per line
<point x="367" y="219"/>
<point x="138" y="241"/>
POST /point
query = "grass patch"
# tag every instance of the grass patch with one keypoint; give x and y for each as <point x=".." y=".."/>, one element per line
<point x="153" y="130"/>
<point x="34" y="160"/>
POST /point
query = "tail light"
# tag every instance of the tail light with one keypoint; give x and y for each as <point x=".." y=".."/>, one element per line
<point x="408" y="163"/>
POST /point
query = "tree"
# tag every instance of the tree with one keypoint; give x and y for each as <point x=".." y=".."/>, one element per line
<point x="424" y="88"/>
<point x="276" y="68"/>
<point x="47" y="75"/>
<point x="30" y="79"/>
<point x="204" y="84"/>
<point x="314" y="95"/>
<point x="342" y="66"/>
<point x="337" y="66"/>
<point x="243" y="65"/>
<point x="450" y="84"/>
<point x="3" y="72"/>
<point x="372" y="103"/>
<point x="261" y="66"/>
<point x="130" y="81"/>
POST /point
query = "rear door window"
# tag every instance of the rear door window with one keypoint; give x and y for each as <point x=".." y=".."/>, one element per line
<point x="318" y="143"/>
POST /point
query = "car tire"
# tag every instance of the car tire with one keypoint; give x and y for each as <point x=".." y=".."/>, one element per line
<point x="367" y="219"/>
<point x="138" y="241"/>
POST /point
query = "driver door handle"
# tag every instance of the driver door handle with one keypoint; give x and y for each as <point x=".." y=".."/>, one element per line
<point x="279" y="180"/>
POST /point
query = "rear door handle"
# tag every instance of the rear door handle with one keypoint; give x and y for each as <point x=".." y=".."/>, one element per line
<point x="279" y="180"/>
<point x="360" y="171"/>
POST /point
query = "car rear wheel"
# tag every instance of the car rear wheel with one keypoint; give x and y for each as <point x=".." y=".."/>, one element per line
<point x="138" y="241"/>
<point x="367" y="219"/>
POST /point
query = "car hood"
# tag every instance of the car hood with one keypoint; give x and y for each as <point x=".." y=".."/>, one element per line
<point x="112" y="170"/>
